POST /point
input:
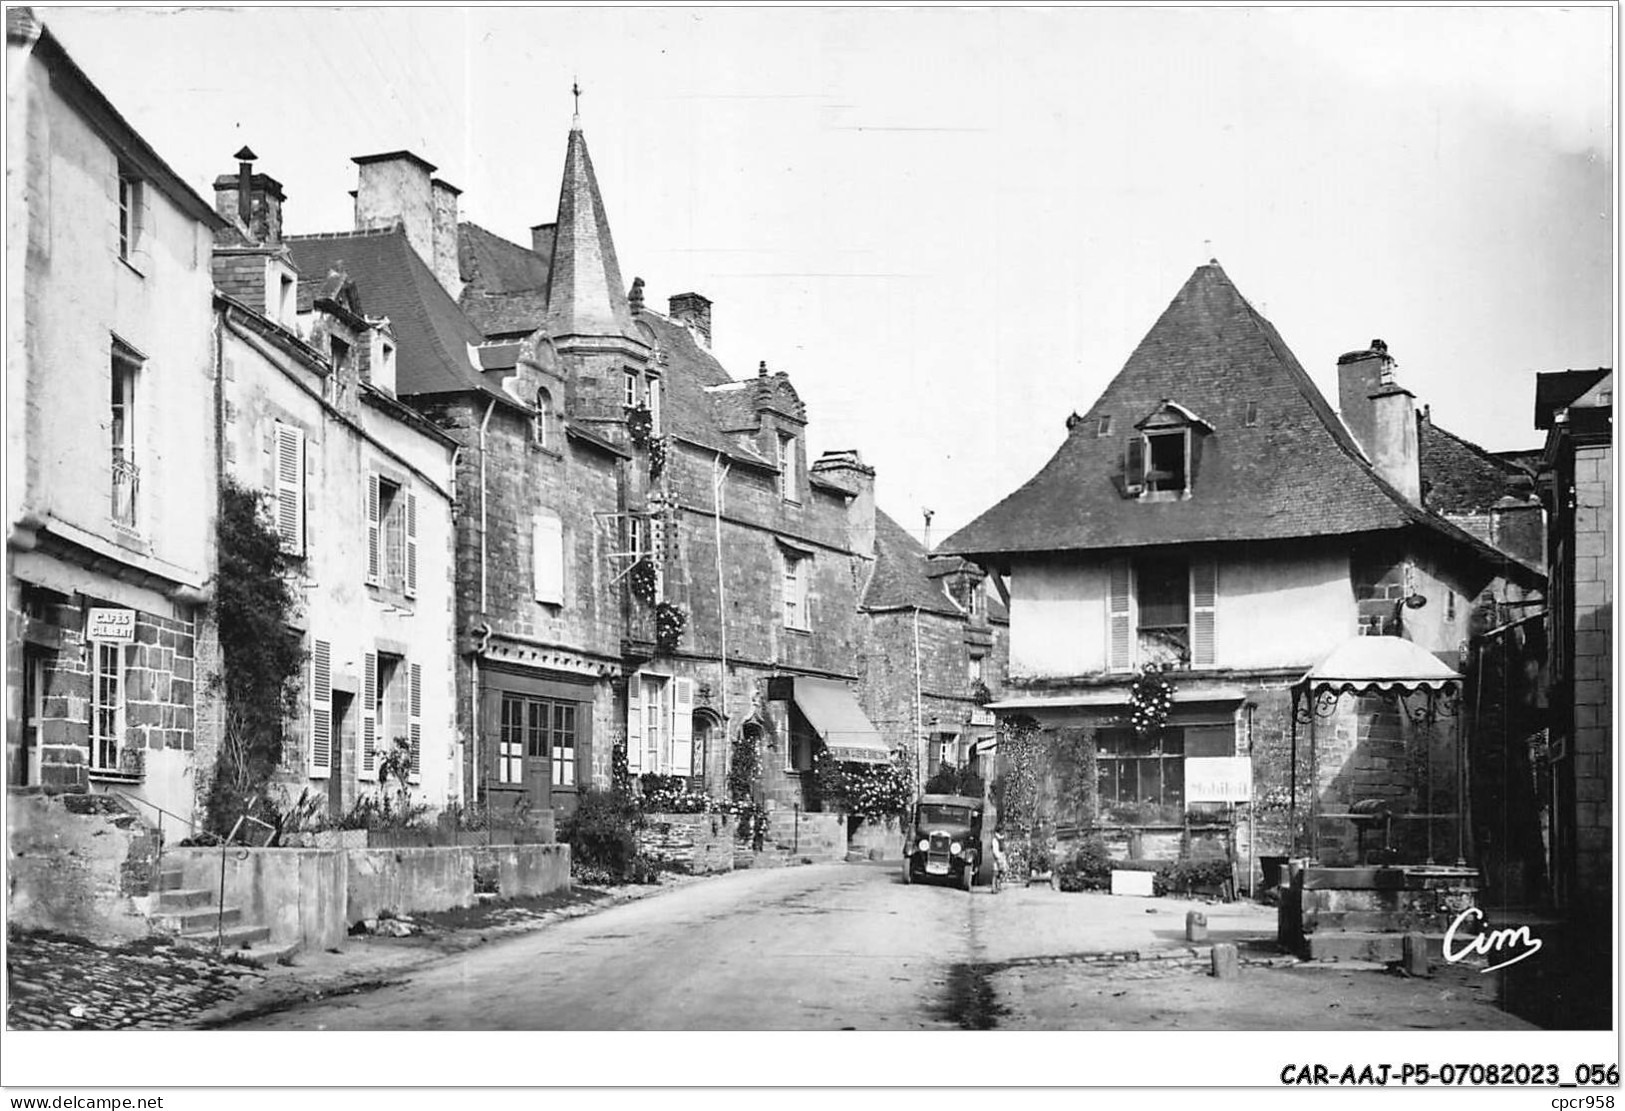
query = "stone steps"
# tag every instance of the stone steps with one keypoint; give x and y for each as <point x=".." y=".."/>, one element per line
<point x="1361" y="945"/>
<point x="193" y="915"/>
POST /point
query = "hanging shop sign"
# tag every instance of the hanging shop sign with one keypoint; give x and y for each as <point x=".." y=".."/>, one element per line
<point x="111" y="626"/>
<point x="1218" y="779"/>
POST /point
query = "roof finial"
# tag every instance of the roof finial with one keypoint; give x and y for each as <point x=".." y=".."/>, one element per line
<point x="575" y="91"/>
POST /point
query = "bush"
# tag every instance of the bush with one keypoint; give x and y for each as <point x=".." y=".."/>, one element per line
<point x="1089" y="868"/>
<point x="669" y="794"/>
<point x="603" y="838"/>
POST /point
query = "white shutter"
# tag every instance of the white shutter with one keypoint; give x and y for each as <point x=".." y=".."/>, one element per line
<point x="290" y="487"/>
<point x="321" y="709"/>
<point x="682" y="728"/>
<point x="1120" y="621"/>
<point x="373" y="552"/>
<point x="414" y="728"/>
<point x="367" y="767"/>
<point x="411" y="544"/>
<point x="547" y="558"/>
<point x="634" y="724"/>
<point x="1204" y="600"/>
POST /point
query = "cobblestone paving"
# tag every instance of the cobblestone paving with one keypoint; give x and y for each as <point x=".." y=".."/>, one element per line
<point x="65" y="983"/>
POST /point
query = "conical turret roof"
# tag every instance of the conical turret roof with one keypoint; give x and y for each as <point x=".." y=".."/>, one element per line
<point x="585" y="294"/>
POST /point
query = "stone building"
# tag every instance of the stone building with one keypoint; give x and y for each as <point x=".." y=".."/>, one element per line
<point x="360" y="487"/>
<point x="1211" y="523"/>
<point x="717" y="520"/>
<point x="935" y="651"/>
<point x="1576" y="410"/>
<point x="537" y="623"/>
<point x="110" y="440"/>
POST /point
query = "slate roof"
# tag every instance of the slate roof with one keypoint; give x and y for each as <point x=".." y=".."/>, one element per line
<point x="432" y="335"/>
<point x="688" y="410"/>
<point x="1458" y="476"/>
<point x="585" y="295"/>
<point x="902" y="576"/>
<point x="1560" y="389"/>
<point x="1295" y="473"/>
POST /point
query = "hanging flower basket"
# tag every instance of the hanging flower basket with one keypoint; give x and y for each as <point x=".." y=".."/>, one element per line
<point x="642" y="578"/>
<point x="657" y="457"/>
<point x="670" y="621"/>
<point x="640" y="423"/>
<point x="1150" y="698"/>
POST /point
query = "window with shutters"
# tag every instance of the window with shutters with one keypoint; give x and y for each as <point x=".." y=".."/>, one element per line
<point x="366" y="765"/>
<point x="660" y="724"/>
<point x="321" y="709"/>
<point x="391" y="705"/>
<point x="1161" y="609"/>
<point x="289" y="499"/>
<point x="547" y="556"/>
<point x="1160" y="455"/>
<point x="392" y="535"/>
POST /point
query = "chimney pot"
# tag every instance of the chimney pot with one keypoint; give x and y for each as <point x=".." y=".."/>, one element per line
<point x="694" y="313"/>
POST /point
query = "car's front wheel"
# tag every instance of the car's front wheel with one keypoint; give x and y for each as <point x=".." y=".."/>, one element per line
<point x="967" y="876"/>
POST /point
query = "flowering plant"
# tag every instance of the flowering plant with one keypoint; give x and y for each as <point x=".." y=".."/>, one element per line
<point x="1150" y="698"/>
<point x="640" y="422"/>
<point x="657" y="457"/>
<point x="670" y="621"/>
<point x="642" y="578"/>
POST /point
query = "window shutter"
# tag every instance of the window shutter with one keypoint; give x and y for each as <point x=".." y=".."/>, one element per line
<point x="411" y="544"/>
<point x="415" y="721"/>
<point x="1134" y="464"/>
<point x="372" y="529"/>
<point x="1120" y="623"/>
<point x="290" y="487"/>
<point x="634" y="724"/>
<point x="368" y="765"/>
<point x="321" y="709"/>
<point x="1204" y="599"/>
<point x="547" y="557"/>
<point x="682" y="728"/>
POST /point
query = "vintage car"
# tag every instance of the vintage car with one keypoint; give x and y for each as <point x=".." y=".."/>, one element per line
<point x="944" y="840"/>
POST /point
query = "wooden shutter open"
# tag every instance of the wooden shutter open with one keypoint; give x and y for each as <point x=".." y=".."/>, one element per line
<point x="1134" y="463"/>
<point x="321" y="709"/>
<point x="414" y="728"/>
<point x="547" y="558"/>
<point x="682" y="728"/>
<point x="290" y="487"/>
<point x="411" y="544"/>
<point x="1119" y="618"/>
<point x="1204" y="601"/>
<point x="373" y="552"/>
<point x="367" y="766"/>
<point x="634" y="723"/>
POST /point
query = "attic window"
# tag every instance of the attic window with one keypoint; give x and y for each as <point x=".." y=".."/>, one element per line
<point x="1252" y="414"/>
<point x="1159" y="457"/>
<point x="1104" y="428"/>
<point x="1167" y="458"/>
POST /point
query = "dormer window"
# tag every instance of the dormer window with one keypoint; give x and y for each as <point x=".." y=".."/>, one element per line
<point x="1104" y="427"/>
<point x="788" y="487"/>
<point x="1159" y="458"/>
<point x="339" y="352"/>
<point x="544" y="405"/>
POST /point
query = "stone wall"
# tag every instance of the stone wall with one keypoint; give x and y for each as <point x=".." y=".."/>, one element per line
<point x="693" y="843"/>
<point x="819" y="836"/>
<point x="298" y="893"/>
<point x="1593" y="673"/>
<point x="883" y="837"/>
<point x="75" y="863"/>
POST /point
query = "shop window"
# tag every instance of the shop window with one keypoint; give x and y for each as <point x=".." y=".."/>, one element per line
<point x="1141" y="777"/>
<point x="511" y="741"/>
<point x="106" y="706"/>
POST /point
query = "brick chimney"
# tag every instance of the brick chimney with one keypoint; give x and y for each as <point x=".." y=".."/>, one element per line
<point x="847" y="470"/>
<point x="1382" y="415"/>
<point x="694" y="313"/>
<point x="252" y="202"/>
<point x="396" y="186"/>
<point x="444" y="263"/>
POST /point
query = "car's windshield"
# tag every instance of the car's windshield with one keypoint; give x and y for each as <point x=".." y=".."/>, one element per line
<point x="937" y="815"/>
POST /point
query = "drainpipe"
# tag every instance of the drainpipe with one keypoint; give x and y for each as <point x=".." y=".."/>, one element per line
<point x="720" y="471"/>
<point x="919" y="709"/>
<point x="474" y="719"/>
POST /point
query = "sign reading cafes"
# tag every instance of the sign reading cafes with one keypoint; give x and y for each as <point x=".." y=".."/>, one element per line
<point x="111" y="626"/>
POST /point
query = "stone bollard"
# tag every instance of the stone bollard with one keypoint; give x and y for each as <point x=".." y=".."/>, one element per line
<point x="1195" y="926"/>
<point x="1416" y="955"/>
<point x="1226" y="962"/>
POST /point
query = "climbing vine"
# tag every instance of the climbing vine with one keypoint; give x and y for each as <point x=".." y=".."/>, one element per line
<point x="261" y="655"/>
<point x="1150" y="698"/>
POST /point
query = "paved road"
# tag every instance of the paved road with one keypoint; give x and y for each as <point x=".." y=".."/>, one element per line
<point x="821" y="947"/>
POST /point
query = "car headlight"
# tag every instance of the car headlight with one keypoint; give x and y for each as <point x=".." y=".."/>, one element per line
<point x="925" y="844"/>
<point x="954" y="848"/>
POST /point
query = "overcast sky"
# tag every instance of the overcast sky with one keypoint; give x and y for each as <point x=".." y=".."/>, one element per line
<point x="951" y="227"/>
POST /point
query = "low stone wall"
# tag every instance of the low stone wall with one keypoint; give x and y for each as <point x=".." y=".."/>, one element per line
<point x="405" y="881"/>
<point x="885" y="837"/>
<point x="526" y="869"/>
<point x="298" y="893"/>
<point x="818" y="836"/>
<point x="77" y="872"/>
<point x="694" y="843"/>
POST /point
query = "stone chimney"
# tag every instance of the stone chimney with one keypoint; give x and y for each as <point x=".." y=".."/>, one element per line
<point x="252" y="202"/>
<point x="446" y="268"/>
<point x="847" y="470"/>
<point x="541" y="242"/>
<point x="395" y="187"/>
<point x="1359" y="375"/>
<point x="694" y="313"/>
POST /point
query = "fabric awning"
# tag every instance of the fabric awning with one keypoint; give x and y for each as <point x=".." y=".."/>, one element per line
<point x="1366" y="663"/>
<point x="832" y="709"/>
<point x="1115" y="696"/>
